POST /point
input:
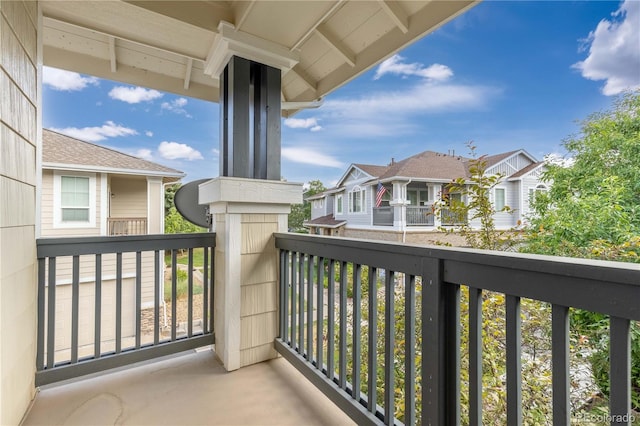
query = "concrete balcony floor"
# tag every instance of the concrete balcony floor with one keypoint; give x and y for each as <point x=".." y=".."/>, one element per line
<point x="190" y="389"/>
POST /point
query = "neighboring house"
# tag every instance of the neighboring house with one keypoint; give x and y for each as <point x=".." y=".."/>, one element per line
<point x="414" y="187"/>
<point x="90" y="190"/>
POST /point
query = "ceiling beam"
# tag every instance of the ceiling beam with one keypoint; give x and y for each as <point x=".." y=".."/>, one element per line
<point x="242" y="13"/>
<point x="337" y="5"/>
<point x="338" y="46"/>
<point x="304" y="77"/>
<point x="397" y="15"/>
<point x="112" y="54"/>
<point x="187" y="73"/>
<point x="56" y="23"/>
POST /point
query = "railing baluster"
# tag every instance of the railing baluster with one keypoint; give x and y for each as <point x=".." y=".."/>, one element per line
<point x="294" y="284"/>
<point x="620" y="371"/>
<point x="41" y="314"/>
<point x="410" y="349"/>
<point x="211" y="288"/>
<point x="285" y="295"/>
<point x="301" y="263"/>
<point x="51" y="314"/>
<point x="310" y="309"/>
<point x="75" y="307"/>
<point x="357" y="339"/>
<point x="475" y="356"/>
<point x="174" y="294"/>
<point x="560" y="365"/>
<point x="138" y="299"/>
<point x="342" y="350"/>
<point x="205" y="291"/>
<point x="118" y="303"/>
<point x="190" y="291"/>
<point x="156" y="297"/>
<point x="320" y="314"/>
<point x="331" y="320"/>
<point x="389" y="343"/>
<point x="282" y="311"/>
<point x="97" y="334"/>
<point x="514" y="370"/>
<point x="372" y="339"/>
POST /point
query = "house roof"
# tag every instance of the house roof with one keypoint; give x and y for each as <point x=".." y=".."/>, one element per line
<point x="371" y="169"/>
<point x="328" y="221"/>
<point x="63" y="152"/>
<point x="428" y="165"/>
<point x="180" y="46"/>
<point x="526" y="170"/>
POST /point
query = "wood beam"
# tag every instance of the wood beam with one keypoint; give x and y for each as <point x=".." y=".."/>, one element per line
<point x="397" y="15"/>
<point x="187" y="73"/>
<point x="304" y="77"/>
<point x="337" y="5"/>
<point x="112" y="54"/>
<point x="242" y="13"/>
<point x="338" y="46"/>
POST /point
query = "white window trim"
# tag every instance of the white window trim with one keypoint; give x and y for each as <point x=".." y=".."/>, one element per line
<point x="363" y="200"/>
<point x="57" y="195"/>
<point x="340" y="203"/>
<point x="495" y="198"/>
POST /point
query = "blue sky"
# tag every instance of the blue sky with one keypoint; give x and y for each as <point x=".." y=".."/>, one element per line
<point x="506" y="75"/>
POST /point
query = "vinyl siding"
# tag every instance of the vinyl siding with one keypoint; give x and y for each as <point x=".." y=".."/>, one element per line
<point x="128" y="196"/>
<point x="18" y="177"/>
<point x="47" y="205"/>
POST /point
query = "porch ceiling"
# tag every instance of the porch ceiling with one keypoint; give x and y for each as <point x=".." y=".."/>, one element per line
<point x="178" y="46"/>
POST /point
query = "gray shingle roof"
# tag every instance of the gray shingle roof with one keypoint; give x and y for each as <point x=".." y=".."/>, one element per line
<point x="59" y="149"/>
<point x="429" y="165"/>
<point x="327" y="221"/>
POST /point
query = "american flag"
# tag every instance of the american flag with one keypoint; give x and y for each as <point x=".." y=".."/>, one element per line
<point x="379" y="193"/>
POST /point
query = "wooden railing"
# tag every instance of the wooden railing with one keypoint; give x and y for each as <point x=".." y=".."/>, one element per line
<point x="334" y="290"/>
<point x="127" y="225"/>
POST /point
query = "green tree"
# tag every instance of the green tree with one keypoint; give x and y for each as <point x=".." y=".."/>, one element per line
<point x="475" y="205"/>
<point x="301" y="212"/>
<point x="593" y="210"/>
<point x="593" y="207"/>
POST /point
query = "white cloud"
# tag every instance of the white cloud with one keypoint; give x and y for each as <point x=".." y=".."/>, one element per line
<point x="303" y="123"/>
<point x="558" y="159"/>
<point x="176" y="106"/>
<point x="614" y="53"/>
<point x="178" y="151"/>
<point x="395" y="65"/>
<point x="310" y="156"/>
<point x="144" y="153"/>
<point x="134" y="95"/>
<point x="148" y="133"/>
<point x="66" y="81"/>
<point x="95" y="134"/>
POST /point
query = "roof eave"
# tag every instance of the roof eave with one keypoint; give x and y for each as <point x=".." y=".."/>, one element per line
<point x="113" y="170"/>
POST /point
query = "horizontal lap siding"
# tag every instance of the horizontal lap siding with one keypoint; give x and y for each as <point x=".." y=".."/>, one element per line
<point x="128" y="197"/>
<point x="46" y="215"/>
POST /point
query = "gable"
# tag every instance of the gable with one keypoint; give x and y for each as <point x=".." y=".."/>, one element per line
<point x="512" y="164"/>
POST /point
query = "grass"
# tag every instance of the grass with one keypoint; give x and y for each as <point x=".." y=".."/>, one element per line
<point x="183" y="258"/>
<point x="182" y="286"/>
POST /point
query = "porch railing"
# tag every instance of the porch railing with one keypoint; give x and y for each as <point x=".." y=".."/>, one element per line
<point x="103" y="301"/>
<point x="127" y="225"/>
<point x="347" y="338"/>
<point x="383" y="216"/>
<point x="420" y="216"/>
<point x="449" y="217"/>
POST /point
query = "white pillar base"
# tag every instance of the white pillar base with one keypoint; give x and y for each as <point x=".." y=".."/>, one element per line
<point x="246" y="213"/>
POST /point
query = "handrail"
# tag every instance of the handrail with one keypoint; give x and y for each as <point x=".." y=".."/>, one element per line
<point x="611" y="288"/>
<point x="81" y="277"/>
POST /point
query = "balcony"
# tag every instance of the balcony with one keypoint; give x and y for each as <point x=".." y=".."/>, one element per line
<point x="127" y="225"/>
<point x="405" y="370"/>
<point x="420" y="215"/>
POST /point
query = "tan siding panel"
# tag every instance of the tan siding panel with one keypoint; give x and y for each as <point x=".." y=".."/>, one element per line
<point x="18" y="158"/>
<point x="128" y="197"/>
<point x="16" y="110"/>
<point x="14" y="61"/>
<point x="17" y="203"/>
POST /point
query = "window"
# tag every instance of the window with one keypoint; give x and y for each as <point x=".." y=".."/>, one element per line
<point x="74" y="203"/>
<point x="356" y="200"/>
<point x="532" y="192"/>
<point x="339" y="204"/>
<point x="318" y="204"/>
<point x="499" y="198"/>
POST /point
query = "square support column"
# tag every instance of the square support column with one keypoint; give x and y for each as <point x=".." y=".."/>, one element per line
<point x="246" y="214"/>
